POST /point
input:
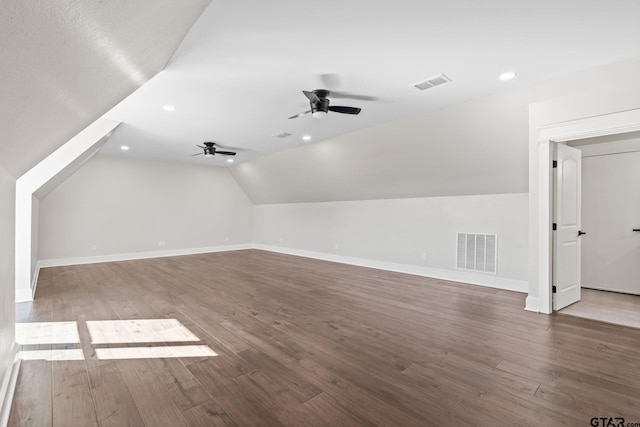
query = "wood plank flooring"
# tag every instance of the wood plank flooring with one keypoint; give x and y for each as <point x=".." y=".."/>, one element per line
<point x="303" y="342"/>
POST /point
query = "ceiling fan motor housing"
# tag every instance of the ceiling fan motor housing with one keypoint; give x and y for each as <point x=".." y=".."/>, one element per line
<point x="322" y="104"/>
<point x="209" y="149"/>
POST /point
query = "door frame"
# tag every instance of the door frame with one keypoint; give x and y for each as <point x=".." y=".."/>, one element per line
<point x="607" y="124"/>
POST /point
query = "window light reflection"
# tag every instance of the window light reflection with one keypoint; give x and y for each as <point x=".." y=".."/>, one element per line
<point x="52" y="355"/>
<point x="155" y="352"/>
<point x="47" y="333"/>
<point x="138" y="331"/>
<point x="55" y="341"/>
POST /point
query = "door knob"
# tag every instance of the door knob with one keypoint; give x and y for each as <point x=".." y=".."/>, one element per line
<point x="580" y="233"/>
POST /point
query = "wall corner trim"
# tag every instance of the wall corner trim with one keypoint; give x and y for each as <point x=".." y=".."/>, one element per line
<point x="532" y="304"/>
<point x="8" y="387"/>
<point x="34" y="282"/>
<point x="466" y="277"/>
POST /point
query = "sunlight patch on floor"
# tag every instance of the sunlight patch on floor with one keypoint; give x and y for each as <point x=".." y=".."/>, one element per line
<point x="155" y="352"/>
<point x="52" y="355"/>
<point x="47" y="333"/>
<point x="55" y="341"/>
<point x="138" y="331"/>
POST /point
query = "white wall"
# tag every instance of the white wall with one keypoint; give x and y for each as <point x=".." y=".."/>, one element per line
<point x="127" y="206"/>
<point x="7" y="288"/>
<point x="400" y="231"/>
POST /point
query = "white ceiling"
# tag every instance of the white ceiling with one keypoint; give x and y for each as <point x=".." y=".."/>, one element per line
<point x="239" y="73"/>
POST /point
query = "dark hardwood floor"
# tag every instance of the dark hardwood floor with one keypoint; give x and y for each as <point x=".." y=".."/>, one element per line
<point x="303" y="342"/>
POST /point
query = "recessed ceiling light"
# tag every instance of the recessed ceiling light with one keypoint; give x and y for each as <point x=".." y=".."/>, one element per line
<point x="307" y="137"/>
<point x="124" y="147"/>
<point x="169" y="108"/>
<point x="229" y="160"/>
<point x="507" y="76"/>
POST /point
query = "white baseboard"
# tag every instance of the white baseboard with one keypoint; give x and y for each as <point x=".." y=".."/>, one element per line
<point x="60" y="262"/>
<point x="607" y="289"/>
<point x="436" y="273"/>
<point x="8" y="387"/>
<point x="532" y="304"/>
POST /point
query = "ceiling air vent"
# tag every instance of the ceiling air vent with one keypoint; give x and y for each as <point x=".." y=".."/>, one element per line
<point x="432" y="82"/>
<point x="281" y="135"/>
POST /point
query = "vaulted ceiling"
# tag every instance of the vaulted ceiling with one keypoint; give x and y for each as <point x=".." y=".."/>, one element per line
<point x="239" y="74"/>
<point x="241" y="70"/>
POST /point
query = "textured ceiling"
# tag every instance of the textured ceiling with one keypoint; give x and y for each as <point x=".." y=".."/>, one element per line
<point x="67" y="62"/>
<point x="240" y="71"/>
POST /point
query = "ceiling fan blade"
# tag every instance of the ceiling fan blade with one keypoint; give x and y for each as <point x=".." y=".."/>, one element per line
<point x="301" y="114"/>
<point x="200" y="146"/>
<point x="344" y="110"/>
<point x="330" y="80"/>
<point x="197" y="154"/>
<point x="226" y="153"/>
<point x="312" y="96"/>
<point x="347" y="95"/>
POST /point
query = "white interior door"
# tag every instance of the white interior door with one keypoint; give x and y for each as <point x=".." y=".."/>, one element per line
<point x="611" y="202"/>
<point x="567" y="217"/>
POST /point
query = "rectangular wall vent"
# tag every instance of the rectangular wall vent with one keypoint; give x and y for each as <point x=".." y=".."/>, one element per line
<point x="281" y="135"/>
<point x="432" y="82"/>
<point x="477" y="252"/>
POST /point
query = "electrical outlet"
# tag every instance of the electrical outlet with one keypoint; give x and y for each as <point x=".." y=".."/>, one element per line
<point x="162" y="243"/>
<point x="424" y="257"/>
<point x="226" y="239"/>
<point x="336" y="247"/>
<point x="280" y="240"/>
<point x="94" y="247"/>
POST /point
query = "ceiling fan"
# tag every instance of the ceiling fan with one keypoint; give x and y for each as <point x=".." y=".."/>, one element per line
<point x="210" y="150"/>
<point x="320" y="105"/>
<point x="333" y="81"/>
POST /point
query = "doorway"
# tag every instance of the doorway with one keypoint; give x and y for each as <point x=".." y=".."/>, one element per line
<point x="611" y="213"/>
<point x="598" y="126"/>
<point x="610" y="270"/>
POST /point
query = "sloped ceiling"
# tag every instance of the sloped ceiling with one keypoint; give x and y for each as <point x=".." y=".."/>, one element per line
<point x="240" y="72"/>
<point x="477" y="147"/>
<point x="67" y="62"/>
